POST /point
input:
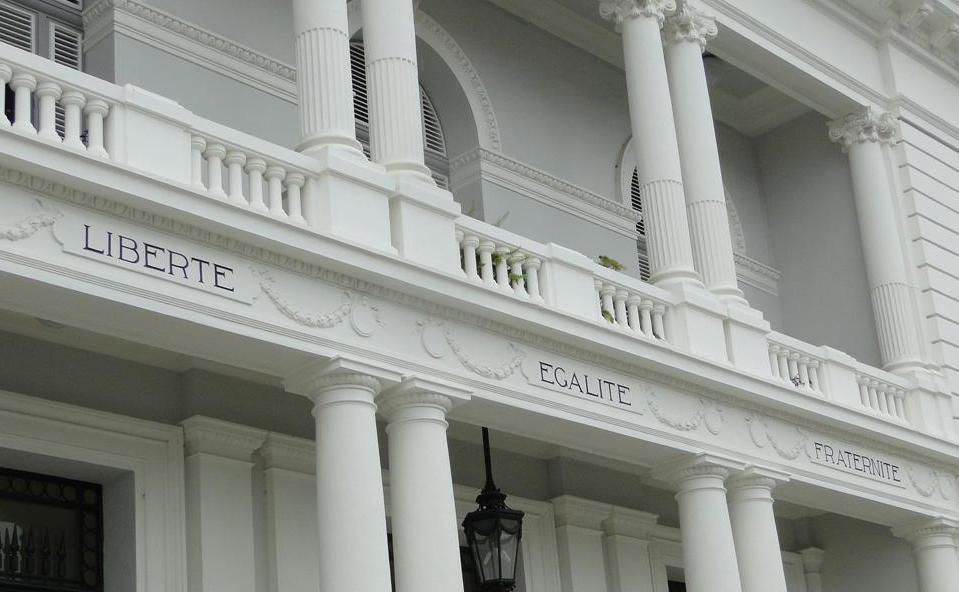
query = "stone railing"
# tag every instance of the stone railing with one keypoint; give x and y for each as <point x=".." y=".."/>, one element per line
<point x="796" y="363"/>
<point x="56" y="104"/>
<point x="882" y="396"/>
<point x="500" y="260"/>
<point x="631" y="305"/>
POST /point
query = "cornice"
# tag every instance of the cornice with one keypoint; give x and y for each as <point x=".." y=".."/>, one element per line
<point x="582" y="513"/>
<point x="757" y="274"/>
<point x="280" y="451"/>
<point x="220" y="438"/>
<point x="537" y="184"/>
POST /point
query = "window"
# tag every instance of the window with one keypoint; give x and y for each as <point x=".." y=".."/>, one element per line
<point x="434" y="143"/>
<point x="635" y="200"/>
<point x="51" y="28"/>
<point x="51" y="533"/>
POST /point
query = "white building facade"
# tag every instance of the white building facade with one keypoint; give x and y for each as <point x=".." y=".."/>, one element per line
<point x="266" y="268"/>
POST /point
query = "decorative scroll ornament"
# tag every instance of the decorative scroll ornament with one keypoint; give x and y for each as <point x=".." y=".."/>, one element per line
<point x="761" y="435"/>
<point x="364" y="317"/>
<point x="935" y="482"/>
<point x="707" y="415"/>
<point x="690" y="25"/>
<point x="864" y="126"/>
<point x="436" y="336"/>
<point x="622" y="10"/>
<point x="30" y="225"/>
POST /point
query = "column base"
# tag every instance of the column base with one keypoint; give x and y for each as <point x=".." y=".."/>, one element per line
<point x="319" y="145"/>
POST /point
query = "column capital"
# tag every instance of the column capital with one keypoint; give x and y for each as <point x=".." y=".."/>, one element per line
<point x="754" y="484"/>
<point x="699" y="471"/>
<point x="929" y="532"/>
<point x="619" y="11"/>
<point x="206" y="435"/>
<point x="570" y="510"/>
<point x="689" y="25"/>
<point x="630" y="523"/>
<point x="812" y="558"/>
<point x="319" y="376"/>
<point x="864" y="126"/>
<point x="280" y="451"/>
<point x="414" y="392"/>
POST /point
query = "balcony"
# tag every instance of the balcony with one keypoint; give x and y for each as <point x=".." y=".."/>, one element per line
<point x="146" y="152"/>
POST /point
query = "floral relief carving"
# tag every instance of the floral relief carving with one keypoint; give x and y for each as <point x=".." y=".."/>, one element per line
<point x="27" y="227"/>
<point x="933" y="482"/>
<point x="707" y="414"/>
<point x="364" y="317"/>
<point x="436" y="336"/>
<point x="761" y="435"/>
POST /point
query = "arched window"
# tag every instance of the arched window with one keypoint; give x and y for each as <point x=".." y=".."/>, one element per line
<point x="434" y="143"/>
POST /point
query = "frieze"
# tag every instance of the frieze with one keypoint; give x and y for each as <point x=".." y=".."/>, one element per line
<point x="30" y="225"/>
<point x="435" y="333"/>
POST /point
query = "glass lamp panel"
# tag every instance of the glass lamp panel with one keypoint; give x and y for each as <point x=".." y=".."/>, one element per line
<point x="508" y="550"/>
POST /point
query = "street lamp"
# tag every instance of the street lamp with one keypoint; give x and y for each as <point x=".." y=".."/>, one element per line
<point x="493" y="532"/>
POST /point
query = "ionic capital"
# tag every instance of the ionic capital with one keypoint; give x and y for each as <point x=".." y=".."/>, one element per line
<point x="689" y="25"/>
<point x="864" y="126"/>
<point x="620" y="11"/>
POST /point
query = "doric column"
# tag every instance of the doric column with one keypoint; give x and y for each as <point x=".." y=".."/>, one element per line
<point x="685" y="35"/>
<point x="812" y="568"/>
<point x="754" y="531"/>
<point x="934" y="548"/>
<point x="351" y="513"/>
<point x="426" y="555"/>
<point x="396" y="121"/>
<point x="219" y="504"/>
<point x="863" y="135"/>
<point x="654" y="138"/>
<point x="709" y="554"/>
<point x="322" y="46"/>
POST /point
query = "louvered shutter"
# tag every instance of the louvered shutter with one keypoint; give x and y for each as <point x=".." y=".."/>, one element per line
<point x="18" y="27"/>
<point x="361" y="106"/>
<point x="66" y="46"/>
<point x="635" y="199"/>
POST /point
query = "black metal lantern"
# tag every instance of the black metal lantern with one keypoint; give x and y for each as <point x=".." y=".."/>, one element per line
<point x="493" y="532"/>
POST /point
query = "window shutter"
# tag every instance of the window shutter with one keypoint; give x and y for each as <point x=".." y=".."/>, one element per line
<point x="18" y="27"/>
<point x="433" y="140"/>
<point x="361" y="106"/>
<point x="635" y="199"/>
<point x="66" y="46"/>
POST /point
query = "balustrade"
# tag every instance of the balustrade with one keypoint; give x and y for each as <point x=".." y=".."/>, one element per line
<point x="799" y="368"/>
<point x="631" y="310"/>
<point x="881" y="397"/>
<point x="500" y="265"/>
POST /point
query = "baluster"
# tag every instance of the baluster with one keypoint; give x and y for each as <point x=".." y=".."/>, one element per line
<point x="619" y="305"/>
<point x="774" y="360"/>
<point x="598" y="289"/>
<point x="23" y="84"/>
<point x="794" y="368"/>
<point x="274" y="185"/>
<point x="606" y="294"/>
<point x="863" y="390"/>
<point x="517" y="279"/>
<point x="96" y="111"/>
<point x="531" y="266"/>
<point x="13" y="551"/>
<point x="61" y="563"/>
<point x="659" y="317"/>
<point x="502" y="267"/>
<point x="882" y="392"/>
<point x="197" y="146"/>
<point x="874" y="395"/>
<point x="901" y="404"/>
<point x="255" y="167"/>
<point x="804" y="371"/>
<point x="646" y="318"/>
<point x="44" y="563"/>
<point x="48" y="93"/>
<point x="814" y="379"/>
<point x="469" y="244"/>
<point x="73" y="102"/>
<point x="294" y="197"/>
<point x="214" y="155"/>
<point x="5" y="75"/>
<point x="27" y="565"/>
<point x="487" y="270"/>
<point x="632" y="312"/>
<point x="784" y="364"/>
<point x="234" y="162"/>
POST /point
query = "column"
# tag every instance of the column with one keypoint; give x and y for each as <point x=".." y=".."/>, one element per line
<point x="219" y="504"/>
<point x="351" y="513"/>
<point x="396" y="119"/>
<point x="934" y="548"/>
<point x="579" y="541"/>
<point x="685" y="36"/>
<point x="812" y="568"/>
<point x="864" y="136"/>
<point x="627" y="550"/>
<point x="709" y="554"/>
<point x="322" y="47"/>
<point x="654" y="138"/>
<point x="425" y="530"/>
<point x="754" y="531"/>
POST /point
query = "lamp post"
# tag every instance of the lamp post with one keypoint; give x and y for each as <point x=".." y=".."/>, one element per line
<point x="493" y="532"/>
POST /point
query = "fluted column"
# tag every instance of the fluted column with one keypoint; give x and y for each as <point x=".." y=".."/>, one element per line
<point x="864" y="136"/>
<point x="351" y="513"/>
<point x="322" y="46"/>
<point x="934" y="548"/>
<point x="654" y="138"/>
<point x="754" y="532"/>
<point x="685" y="35"/>
<point x="396" y="121"/>
<point x="426" y="555"/>
<point x="709" y="554"/>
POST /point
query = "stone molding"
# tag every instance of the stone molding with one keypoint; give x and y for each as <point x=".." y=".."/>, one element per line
<point x="622" y="10"/>
<point x="812" y="559"/>
<point x="689" y="25"/>
<point x="924" y="531"/>
<point x="321" y="375"/>
<point x="630" y="523"/>
<point x="864" y="126"/>
<point x="30" y="225"/>
<point x="581" y="513"/>
<point x="699" y="465"/>
<point x="206" y="435"/>
<point x="414" y="391"/>
<point x="280" y="451"/>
